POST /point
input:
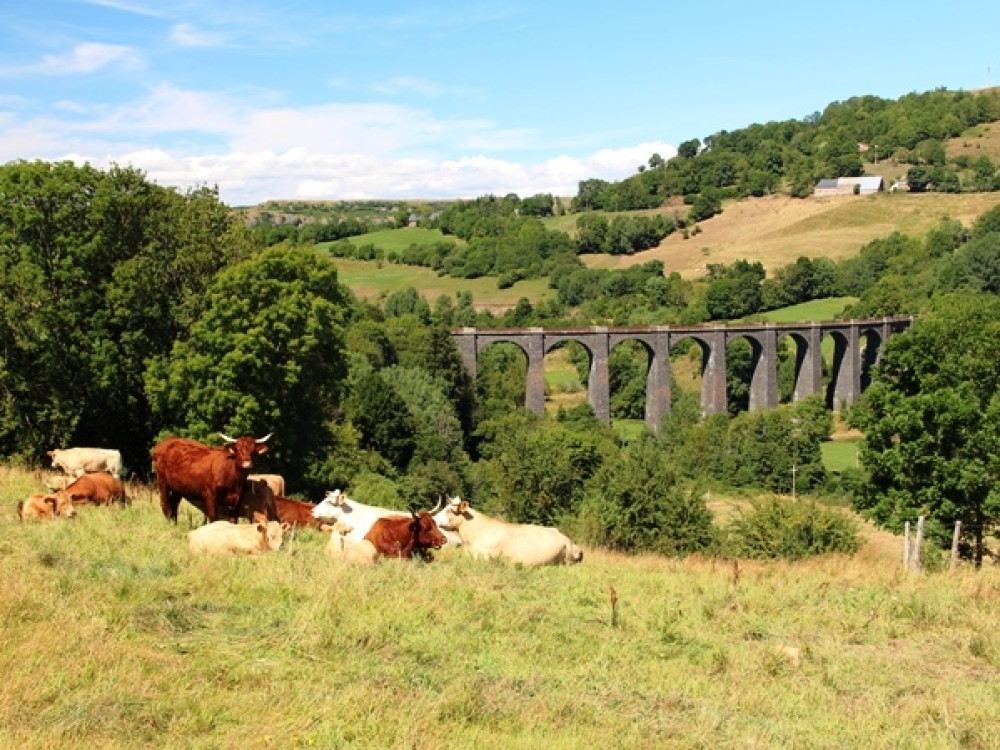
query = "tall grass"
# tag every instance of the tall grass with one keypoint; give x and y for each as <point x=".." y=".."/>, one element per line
<point x="115" y="637"/>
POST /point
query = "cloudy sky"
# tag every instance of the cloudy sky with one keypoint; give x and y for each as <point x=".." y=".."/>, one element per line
<point x="389" y="99"/>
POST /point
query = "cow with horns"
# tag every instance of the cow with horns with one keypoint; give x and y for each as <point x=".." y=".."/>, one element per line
<point x="211" y="479"/>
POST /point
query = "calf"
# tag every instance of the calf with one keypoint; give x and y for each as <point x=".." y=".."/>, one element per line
<point x="275" y="481"/>
<point x="99" y="488"/>
<point x="50" y="505"/>
<point x="405" y="537"/>
<point x="342" y="547"/>
<point x="223" y="537"/>
<point x="257" y="502"/>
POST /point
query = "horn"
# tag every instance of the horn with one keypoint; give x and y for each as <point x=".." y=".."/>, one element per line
<point x="227" y="438"/>
<point x="439" y="506"/>
<point x="264" y="439"/>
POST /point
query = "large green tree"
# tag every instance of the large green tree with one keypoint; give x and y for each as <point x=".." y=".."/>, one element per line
<point x="266" y="356"/>
<point x="931" y="420"/>
<point x="99" y="272"/>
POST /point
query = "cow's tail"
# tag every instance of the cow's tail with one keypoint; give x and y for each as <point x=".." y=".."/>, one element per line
<point x="20" y="510"/>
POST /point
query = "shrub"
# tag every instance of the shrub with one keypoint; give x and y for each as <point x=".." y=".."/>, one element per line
<point x="791" y="530"/>
<point x="638" y="504"/>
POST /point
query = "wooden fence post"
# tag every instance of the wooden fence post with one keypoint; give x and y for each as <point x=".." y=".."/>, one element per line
<point x="918" y="544"/>
<point x="906" y="546"/>
<point x="954" y="545"/>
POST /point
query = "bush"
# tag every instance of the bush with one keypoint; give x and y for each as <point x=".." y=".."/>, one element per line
<point x="638" y="504"/>
<point x="791" y="531"/>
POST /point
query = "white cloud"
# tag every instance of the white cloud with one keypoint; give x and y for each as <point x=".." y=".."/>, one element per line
<point x="186" y="35"/>
<point x="87" y="57"/>
<point x="340" y="150"/>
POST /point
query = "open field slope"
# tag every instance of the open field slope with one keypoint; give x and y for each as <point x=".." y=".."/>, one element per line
<point x="372" y="279"/>
<point x="776" y="230"/>
<point x="114" y="636"/>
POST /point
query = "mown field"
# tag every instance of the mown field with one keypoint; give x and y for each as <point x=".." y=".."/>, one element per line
<point x="114" y="636"/>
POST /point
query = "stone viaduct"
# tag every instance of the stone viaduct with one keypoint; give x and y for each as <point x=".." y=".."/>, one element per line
<point x="857" y="345"/>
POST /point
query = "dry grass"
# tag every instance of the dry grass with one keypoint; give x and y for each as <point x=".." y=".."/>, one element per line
<point x="115" y="637"/>
<point x="776" y="230"/>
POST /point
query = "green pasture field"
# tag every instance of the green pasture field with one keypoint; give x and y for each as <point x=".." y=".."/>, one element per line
<point x="398" y="239"/>
<point x="114" y="636"/>
<point x="819" y="309"/>
<point x="839" y="454"/>
<point x="370" y="279"/>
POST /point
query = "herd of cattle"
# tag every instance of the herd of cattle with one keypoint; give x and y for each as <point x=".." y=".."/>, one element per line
<point x="219" y="482"/>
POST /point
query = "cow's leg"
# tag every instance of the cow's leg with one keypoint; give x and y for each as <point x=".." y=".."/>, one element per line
<point x="168" y="500"/>
<point x="210" y="507"/>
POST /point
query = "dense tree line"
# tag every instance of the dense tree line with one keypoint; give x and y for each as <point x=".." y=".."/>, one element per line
<point x="791" y="155"/>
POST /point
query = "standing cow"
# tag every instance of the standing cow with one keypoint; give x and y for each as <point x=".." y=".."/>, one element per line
<point x="209" y="478"/>
<point x="78" y="461"/>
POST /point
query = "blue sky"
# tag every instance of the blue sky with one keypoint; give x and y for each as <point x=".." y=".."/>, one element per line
<point x="386" y="99"/>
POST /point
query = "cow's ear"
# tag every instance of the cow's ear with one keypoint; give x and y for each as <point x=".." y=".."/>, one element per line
<point x="463" y="507"/>
<point x="261" y="448"/>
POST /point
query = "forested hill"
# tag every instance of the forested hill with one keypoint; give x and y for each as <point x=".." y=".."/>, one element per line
<point x="790" y="156"/>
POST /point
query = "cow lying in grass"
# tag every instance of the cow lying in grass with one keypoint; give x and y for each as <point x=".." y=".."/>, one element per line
<point x="46" y="506"/>
<point x="97" y="488"/>
<point x="528" y="544"/>
<point x="406" y="537"/>
<point x="344" y="548"/>
<point x="223" y="537"/>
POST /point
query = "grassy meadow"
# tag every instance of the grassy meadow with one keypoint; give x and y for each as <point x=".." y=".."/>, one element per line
<point x="114" y="636"/>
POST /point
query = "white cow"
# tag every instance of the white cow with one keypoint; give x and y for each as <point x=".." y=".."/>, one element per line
<point x="527" y="544"/>
<point x="337" y="506"/>
<point x="79" y="461"/>
<point x="223" y="537"/>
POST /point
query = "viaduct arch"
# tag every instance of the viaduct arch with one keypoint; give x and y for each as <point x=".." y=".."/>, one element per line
<point x="850" y="370"/>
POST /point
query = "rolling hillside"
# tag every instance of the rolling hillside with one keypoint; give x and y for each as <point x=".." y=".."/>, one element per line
<point x="774" y="230"/>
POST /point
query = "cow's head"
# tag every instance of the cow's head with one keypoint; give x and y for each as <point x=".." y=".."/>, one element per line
<point x="62" y="504"/>
<point x="426" y="534"/>
<point x="272" y="533"/>
<point x="332" y="507"/>
<point x="245" y="449"/>
<point x="450" y="517"/>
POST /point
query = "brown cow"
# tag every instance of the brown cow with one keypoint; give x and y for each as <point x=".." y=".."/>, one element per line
<point x="98" y="488"/>
<point x="399" y="536"/>
<point x="209" y="478"/>
<point x="297" y="513"/>
<point x="41" y="505"/>
<point x="257" y="502"/>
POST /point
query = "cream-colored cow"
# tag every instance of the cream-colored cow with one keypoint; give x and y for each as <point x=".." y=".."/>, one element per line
<point x="528" y="544"/>
<point x="223" y="537"/>
<point x="343" y="547"/>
